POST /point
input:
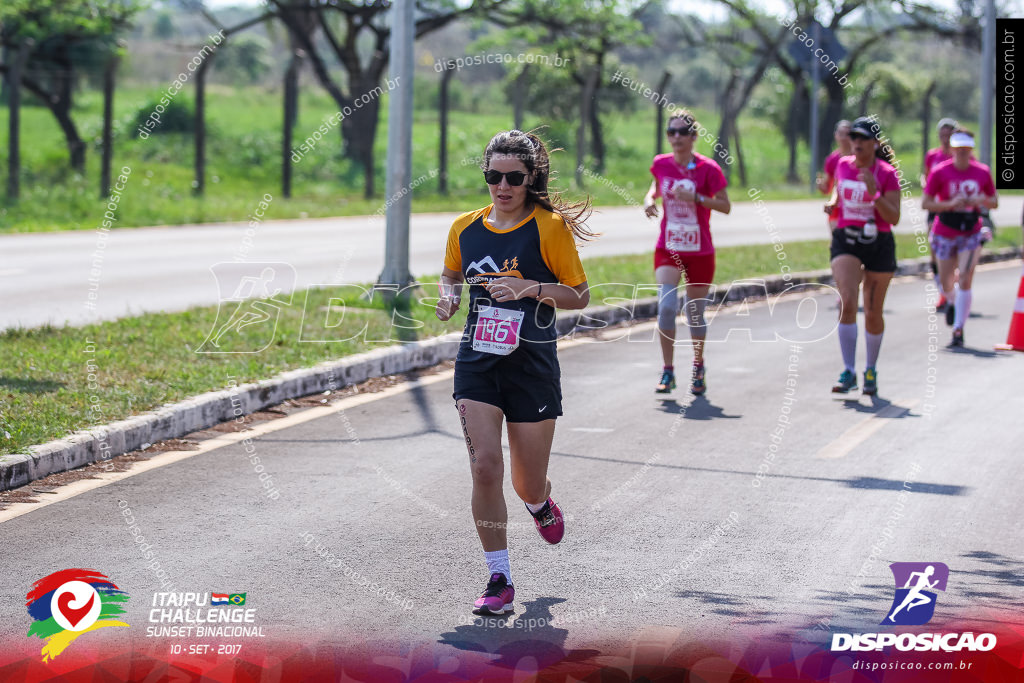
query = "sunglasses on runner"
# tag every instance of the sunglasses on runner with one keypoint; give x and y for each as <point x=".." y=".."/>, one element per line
<point x="514" y="178"/>
<point x="859" y="136"/>
<point x="678" y="131"/>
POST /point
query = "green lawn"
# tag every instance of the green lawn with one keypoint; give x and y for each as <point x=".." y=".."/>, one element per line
<point x="244" y="162"/>
<point x="57" y="380"/>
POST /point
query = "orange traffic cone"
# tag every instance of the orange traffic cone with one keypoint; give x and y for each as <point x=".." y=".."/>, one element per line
<point x="1015" y="338"/>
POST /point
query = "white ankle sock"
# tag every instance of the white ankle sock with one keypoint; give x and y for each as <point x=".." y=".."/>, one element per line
<point x="497" y="562"/>
<point x="536" y="508"/>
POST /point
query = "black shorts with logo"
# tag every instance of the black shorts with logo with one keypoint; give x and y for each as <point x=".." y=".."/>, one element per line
<point x="878" y="255"/>
<point x="523" y="397"/>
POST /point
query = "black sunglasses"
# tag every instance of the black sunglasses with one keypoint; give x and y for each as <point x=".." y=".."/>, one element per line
<point x="514" y="178"/>
<point x="679" y="131"/>
<point x="860" y="136"/>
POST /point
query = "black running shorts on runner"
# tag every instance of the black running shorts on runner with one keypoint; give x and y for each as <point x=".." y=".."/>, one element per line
<point x="878" y="256"/>
<point x="522" y="397"/>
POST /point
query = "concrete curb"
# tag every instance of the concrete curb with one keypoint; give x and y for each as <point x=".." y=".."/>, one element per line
<point x="175" y="420"/>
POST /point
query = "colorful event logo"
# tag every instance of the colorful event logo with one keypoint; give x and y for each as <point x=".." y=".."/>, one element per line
<point x="68" y="603"/>
<point x="914" y="603"/>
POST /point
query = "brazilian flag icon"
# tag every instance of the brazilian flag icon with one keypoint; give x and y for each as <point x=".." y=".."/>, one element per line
<point x="237" y="598"/>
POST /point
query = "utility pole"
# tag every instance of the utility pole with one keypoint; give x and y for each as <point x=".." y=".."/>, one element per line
<point x="988" y="66"/>
<point x="399" y="165"/>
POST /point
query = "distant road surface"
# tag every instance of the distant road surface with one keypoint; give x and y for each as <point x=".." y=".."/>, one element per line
<point x="45" y="276"/>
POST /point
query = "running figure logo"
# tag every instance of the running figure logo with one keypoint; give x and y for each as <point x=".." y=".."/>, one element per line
<point x="251" y="294"/>
<point x="914" y="603"/>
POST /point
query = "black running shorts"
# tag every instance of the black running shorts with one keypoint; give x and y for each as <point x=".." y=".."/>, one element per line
<point x="522" y="397"/>
<point x="878" y="256"/>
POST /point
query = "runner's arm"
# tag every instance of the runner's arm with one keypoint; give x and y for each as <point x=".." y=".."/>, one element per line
<point x="888" y="206"/>
<point x="720" y="202"/>
<point x="550" y="293"/>
<point x="650" y="206"/>
<point x="930" y="203"/>
<point x="451" y="293"/>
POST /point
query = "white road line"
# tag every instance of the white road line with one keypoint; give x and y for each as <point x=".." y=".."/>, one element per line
<point x="75" y="488"/>
<point x="859" y="433"/>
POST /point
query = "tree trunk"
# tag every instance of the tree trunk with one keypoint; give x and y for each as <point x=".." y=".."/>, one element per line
<point x="13" y="85"/>
<point x="519" y="97"/>
<point x="446" y="78"/>
<point x="926" y="115"/>
<point x="865" y="98"/>
<point x="597" y="148"/>
<point x="833" y="113"/>
<point x="359" y="128"/>
<point x="109" y="74"/>
<point x="61" y="107"/>
<point x="659" y="127"/>
<point x="725" y="130"/>
<point x="797" y="105"/>
<point x="291" y="114"/>
<point x="199" y="185"/>
<point x="738" y="154"/>
<point x="587" y="90"/>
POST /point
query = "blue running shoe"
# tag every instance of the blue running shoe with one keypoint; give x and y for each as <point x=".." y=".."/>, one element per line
<point x="847" y="381"/>
<point x="667" y="383"/>
<point x="870" y="382"/>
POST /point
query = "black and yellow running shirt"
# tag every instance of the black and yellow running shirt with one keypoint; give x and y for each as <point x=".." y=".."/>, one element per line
<point x="540" y="247"/>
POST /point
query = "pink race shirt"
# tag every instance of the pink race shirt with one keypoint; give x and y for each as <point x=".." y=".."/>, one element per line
<point x="855" y="206"/>
<point x="933" y="158"/>
<point x="946" y="182"/>
<point x="686" y="226"/>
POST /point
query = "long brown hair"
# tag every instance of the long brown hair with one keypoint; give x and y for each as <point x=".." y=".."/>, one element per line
<point x="531" y="150"/>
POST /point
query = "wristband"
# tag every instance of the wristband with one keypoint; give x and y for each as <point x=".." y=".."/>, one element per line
<point x="540" y="288"/>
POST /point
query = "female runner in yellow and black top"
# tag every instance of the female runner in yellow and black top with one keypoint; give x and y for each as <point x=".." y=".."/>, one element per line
<point x="519" y="257"/>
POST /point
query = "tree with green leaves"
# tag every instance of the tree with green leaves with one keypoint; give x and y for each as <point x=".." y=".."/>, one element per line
<point x="355" y="36"/>
<point x="585" y="33"/>
<point x="66" y="37"/>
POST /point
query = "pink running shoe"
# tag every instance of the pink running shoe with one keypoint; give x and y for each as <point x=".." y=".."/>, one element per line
<point x="549" y="522"/>
<point x="497" y="597"/>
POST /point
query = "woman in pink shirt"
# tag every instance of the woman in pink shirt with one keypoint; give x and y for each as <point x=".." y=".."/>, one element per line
<point x="691" y="186"/>
<point x="827" y="180"/>
<point x="867" y="197"/>
<point x="956" y="192"/>
<point x="933" y="158"/>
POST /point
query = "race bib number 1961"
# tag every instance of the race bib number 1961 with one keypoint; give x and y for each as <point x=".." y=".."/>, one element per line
<point x="497" y="330"/>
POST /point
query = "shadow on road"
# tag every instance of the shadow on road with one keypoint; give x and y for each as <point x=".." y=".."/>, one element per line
<point x="700" y="409"/>
<point x="513" y="637"/>
<point x="729" y="605"/>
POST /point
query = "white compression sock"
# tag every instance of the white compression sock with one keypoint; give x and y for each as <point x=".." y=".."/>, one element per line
<point x="874" y="344"/>
<point x="963" y="307"/>
<point x="848" y="344"/>
<point x="497" y="562"/>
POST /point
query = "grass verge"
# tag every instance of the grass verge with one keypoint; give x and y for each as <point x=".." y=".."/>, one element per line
<point x="55" y="381"/>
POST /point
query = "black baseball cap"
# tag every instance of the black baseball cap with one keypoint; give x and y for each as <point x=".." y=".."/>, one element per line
<point x="865" y="127"/>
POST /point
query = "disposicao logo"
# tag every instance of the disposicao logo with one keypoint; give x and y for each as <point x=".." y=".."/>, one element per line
<point x="913" y="579"/>
<point x="913" y="605"/>
<point x="68" y="603"/>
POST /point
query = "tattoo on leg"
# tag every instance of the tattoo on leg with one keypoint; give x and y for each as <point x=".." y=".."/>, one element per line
<point x="469" y="442"/>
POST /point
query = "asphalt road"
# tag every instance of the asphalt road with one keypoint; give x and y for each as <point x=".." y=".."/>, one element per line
<point x="50" y="277"/>
<point x="648" y="484"/>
